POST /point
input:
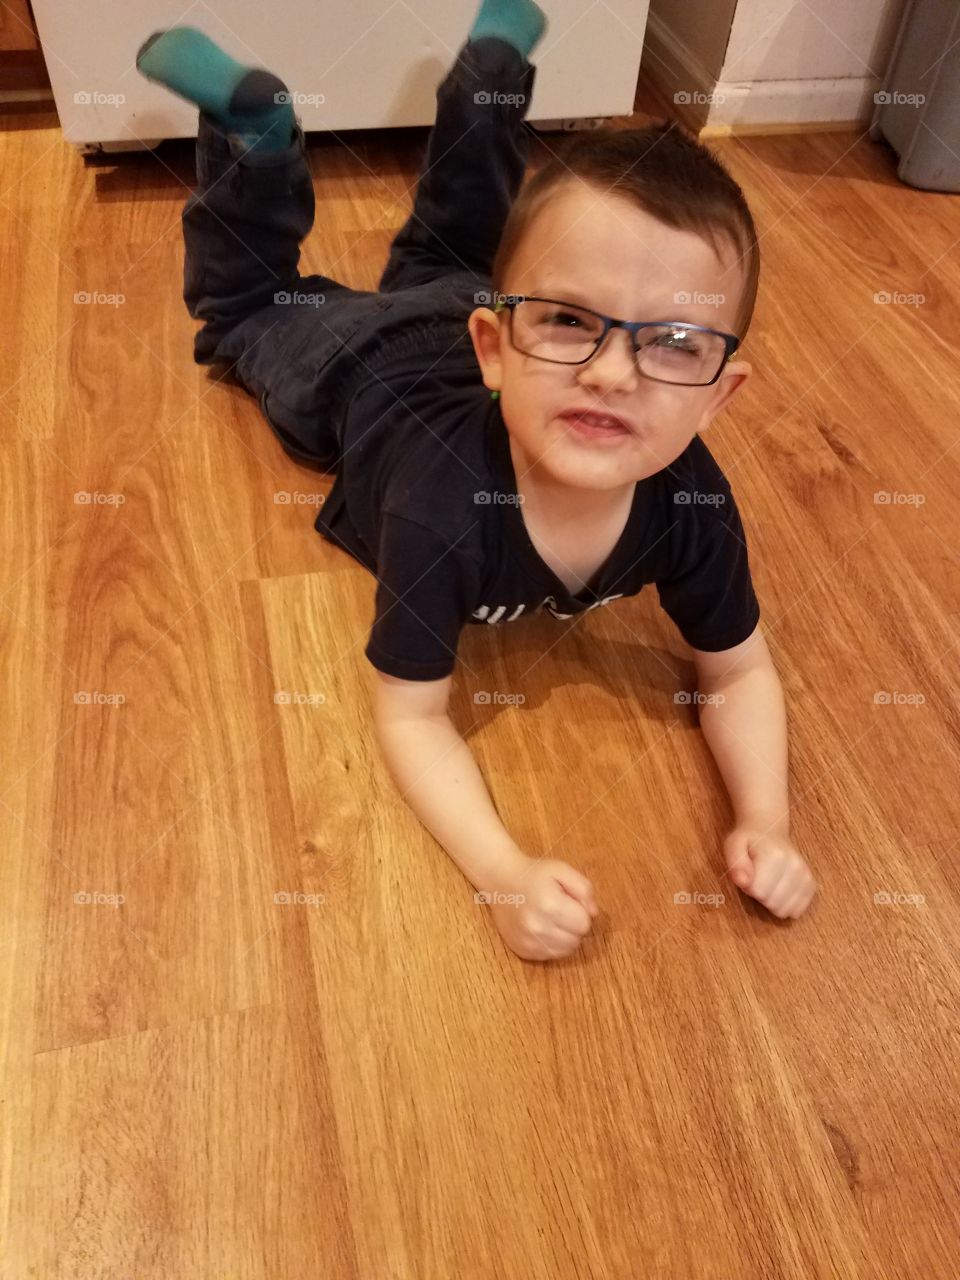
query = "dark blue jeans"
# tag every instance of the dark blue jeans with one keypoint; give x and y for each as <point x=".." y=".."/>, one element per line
<point x="302" y="344"/>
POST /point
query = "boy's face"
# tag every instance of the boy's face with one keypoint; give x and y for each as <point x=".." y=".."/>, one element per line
<point x="600" y="250"/>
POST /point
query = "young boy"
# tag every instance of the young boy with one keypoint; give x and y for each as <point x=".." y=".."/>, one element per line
<point x="600" y="310"/>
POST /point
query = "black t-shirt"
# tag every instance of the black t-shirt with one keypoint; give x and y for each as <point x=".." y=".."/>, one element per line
<point x="423" y="499"/>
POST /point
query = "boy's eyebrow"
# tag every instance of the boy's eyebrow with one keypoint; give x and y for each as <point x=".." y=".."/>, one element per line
<point x="574" y="295"/>
<point x="566" y="295"/>
<point x="563" y="294"/>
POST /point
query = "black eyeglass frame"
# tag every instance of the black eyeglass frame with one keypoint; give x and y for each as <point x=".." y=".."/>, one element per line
<point x="730" y="340"/>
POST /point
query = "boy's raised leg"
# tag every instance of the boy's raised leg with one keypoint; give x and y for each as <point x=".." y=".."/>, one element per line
<point x="254" y="202"/>
<point x="476" y="153"/>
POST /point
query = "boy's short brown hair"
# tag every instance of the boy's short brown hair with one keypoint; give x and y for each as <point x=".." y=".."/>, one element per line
<point x="662" y="169"/>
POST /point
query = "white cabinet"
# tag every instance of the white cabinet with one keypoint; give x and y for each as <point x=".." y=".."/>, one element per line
<point x="355" y="65"/>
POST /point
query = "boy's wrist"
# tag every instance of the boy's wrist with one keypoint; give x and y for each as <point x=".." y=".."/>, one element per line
<point x="506" y="866"/>
<point x="769" y="821"/>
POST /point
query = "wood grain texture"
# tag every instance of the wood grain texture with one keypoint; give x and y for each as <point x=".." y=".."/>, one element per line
<point x="17" y="28"/>
<point x="274" y="1036"/>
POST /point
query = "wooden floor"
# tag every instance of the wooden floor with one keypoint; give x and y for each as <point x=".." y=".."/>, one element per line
<point x="199" y="1080"/>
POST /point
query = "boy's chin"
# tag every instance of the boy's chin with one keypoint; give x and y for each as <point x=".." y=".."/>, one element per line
<point x="577" y="468"/>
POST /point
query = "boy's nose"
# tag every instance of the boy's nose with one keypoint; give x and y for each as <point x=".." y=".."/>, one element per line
<point x="615" y="364"/>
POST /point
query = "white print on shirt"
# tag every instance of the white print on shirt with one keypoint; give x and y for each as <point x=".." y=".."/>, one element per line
<point x="486" y="614"/>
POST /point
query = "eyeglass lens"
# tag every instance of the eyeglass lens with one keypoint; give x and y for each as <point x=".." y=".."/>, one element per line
<point x="568" y="335"/>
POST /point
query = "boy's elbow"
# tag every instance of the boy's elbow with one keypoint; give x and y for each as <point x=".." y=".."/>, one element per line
<point x="714" y="669"/>
<point x="396" y="700"/>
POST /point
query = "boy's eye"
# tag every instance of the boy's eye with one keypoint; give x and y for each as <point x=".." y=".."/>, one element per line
<point x="566" y="319"/>
<point x="680" y="341"/>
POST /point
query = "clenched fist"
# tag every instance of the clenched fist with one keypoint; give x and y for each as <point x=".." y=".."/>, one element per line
<point x="546" y="910"/>
<point x="769" y="868"/>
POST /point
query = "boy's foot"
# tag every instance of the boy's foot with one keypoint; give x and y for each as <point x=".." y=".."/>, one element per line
<point x="248" y="102"/>
<point x="519" y="22"/>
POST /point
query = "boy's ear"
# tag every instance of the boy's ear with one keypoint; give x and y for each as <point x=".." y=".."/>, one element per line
<point x="728" y="384"/>
<point x="484" y="326"/>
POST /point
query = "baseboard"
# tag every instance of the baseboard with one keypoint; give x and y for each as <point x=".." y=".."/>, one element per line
<point x="773" y="106"/>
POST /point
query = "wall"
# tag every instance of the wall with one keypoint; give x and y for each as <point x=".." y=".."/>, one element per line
<point x="760" y="65"/>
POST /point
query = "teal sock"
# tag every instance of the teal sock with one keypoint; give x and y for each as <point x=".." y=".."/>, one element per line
<point x="249" y="102"/>
<point x="519" y="22"/>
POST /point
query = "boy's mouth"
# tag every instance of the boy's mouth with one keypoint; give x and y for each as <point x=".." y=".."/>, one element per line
<point x="595" y="425"/>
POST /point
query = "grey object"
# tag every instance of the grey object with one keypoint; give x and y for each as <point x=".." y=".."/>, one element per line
<point x="918" y="105"/>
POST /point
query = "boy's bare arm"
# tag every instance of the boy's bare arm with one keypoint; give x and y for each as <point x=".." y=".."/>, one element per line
<point x="438" y="777"/>
<point x="743" y="718"/>
<point x="541" y="906"/>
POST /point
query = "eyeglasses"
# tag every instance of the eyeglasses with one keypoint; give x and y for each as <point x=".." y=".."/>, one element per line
<point x="689" y="355"/>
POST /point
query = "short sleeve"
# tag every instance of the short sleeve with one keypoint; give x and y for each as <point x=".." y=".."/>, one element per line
<point x="709" y="592"/>
<point x="426" y="591"/>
